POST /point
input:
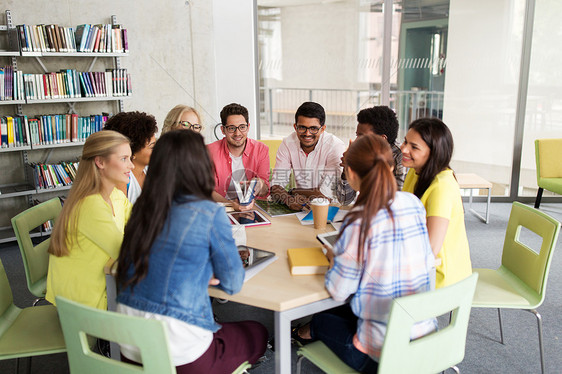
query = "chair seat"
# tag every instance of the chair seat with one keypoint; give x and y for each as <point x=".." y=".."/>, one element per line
<point x="551" y="184"/>
<point x="320" y="355"/>
<point x="501" y="289"/>
<point x="39" y="288"/>
<point x="35" y="331"/>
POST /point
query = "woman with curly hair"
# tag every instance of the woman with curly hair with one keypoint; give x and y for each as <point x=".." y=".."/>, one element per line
<point x="182" y="117"/>
<point x="141" y="130"/>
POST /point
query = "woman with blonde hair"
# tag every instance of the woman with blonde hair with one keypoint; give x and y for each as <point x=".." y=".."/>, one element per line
<point x="182" y="117"/>
<point x="89" y="230"/>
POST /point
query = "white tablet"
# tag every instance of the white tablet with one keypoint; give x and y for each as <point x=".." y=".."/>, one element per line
<point x="249" y="218"/>
<point x="328" y="238"/>
<point x="254" y="260"/>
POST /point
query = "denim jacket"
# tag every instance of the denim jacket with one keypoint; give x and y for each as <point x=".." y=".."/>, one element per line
<point x="195" y="243"/>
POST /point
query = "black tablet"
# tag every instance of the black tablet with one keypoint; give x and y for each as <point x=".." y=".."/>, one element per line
<point x="249" y="218"/>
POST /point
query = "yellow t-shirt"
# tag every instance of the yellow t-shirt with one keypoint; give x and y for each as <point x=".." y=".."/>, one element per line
<point x="80" y="276"/>
<point x="443" y="199"/>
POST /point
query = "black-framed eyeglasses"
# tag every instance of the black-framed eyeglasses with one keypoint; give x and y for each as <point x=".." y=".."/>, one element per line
<point x="313" y="129"/>
<point x="232" y="129"/>
<point x="192" y="126"/>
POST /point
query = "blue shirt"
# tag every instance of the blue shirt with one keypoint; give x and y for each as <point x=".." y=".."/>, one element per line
<point x="397" y="261"/>
<point x="195" y="243"/>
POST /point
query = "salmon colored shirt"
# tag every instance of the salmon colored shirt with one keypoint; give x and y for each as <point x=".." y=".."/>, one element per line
<point x="255" y="159"/>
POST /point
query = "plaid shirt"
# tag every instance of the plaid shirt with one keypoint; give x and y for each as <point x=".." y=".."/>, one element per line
<point x="398" y="261"/>
<point x="346" y="194"/>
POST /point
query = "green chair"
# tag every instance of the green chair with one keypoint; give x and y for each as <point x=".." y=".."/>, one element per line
<point x="548" y="153"/>
<point x="432" y="353"/>
<point x="35" y="258"/>
<point x="520" y="281"/>
<point x="32" y="331"/>
<point x="80" y="321"/>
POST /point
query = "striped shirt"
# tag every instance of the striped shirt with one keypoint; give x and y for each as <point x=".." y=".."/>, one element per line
<point x="397" y="261"/>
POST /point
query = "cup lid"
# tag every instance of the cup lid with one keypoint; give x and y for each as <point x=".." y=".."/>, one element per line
<point x="320" y="201"/>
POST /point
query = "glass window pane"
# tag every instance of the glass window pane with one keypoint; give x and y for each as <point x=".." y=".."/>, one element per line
<point x="543" y="117"/>
<point x="481" y="86"/>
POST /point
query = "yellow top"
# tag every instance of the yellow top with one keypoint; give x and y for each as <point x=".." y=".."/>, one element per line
<point x="443" y="199"/>
<point x="80" y="276"/>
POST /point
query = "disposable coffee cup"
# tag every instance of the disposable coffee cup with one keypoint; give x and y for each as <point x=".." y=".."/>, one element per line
<point x="320" y="207"/>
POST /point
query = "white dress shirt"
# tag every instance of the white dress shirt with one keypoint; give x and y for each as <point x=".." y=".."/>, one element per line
<point x="319" y="169"/>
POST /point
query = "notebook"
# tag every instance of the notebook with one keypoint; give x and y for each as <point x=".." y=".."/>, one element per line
<point x="307" y="261"/>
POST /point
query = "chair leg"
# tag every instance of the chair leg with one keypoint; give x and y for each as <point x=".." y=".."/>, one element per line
<point x="456" y="369"/>
<point x="299" y="363"/>
<point x="36" y="301"/>
<point x="501" y="327"/>
<point x="539" y="197"/>
<point x="539" y="325"/>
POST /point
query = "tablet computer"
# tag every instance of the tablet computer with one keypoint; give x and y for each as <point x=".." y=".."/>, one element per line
<point x="249" y="218"/>
<point x="254" y="260"/>
<point x="328" y="238"/>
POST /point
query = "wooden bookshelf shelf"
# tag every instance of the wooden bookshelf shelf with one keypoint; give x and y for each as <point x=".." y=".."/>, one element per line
<point x="72" y="54"/>
<point x="77" y="100"/>
<point x="47" y="190"/>
<point x="15" y="149"/>
<point x="12" y="102"/>
<point x="60" y="145"/>
<point x="15" y="190"/>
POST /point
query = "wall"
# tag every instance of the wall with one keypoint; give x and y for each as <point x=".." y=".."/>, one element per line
<point x="168" y="65"/>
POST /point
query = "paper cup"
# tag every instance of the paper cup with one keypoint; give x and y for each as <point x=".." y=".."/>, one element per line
<point x="320" y="207"/>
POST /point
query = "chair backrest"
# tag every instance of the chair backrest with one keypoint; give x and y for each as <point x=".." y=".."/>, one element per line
<point x="35" y="258"/>
<point x="530" y="266"/>
<point x="548" y="153"/>
<point x="434" y="352"/>
<point x="8" y="310"/>
<point x="80" y="321"/>
<point x="273" y="145"/>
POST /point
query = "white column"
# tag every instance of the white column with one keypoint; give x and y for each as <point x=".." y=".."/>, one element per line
<point x="234" y="26"/>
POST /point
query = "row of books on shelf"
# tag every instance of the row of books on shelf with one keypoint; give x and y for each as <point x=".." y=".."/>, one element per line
<point x="103" y="38"/>
<point x="54" y="175"/>
<point x="65" y="84"/>
<point x="17" y="131"/>
<point x="48" y="225"/>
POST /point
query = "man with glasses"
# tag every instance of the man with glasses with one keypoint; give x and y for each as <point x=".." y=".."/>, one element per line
<point x="238" y="159"/>
<point x="312" y="154"/>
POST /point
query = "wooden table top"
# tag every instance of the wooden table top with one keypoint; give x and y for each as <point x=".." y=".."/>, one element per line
<point x="274" y="288"/>
<point x="469" y="180"/>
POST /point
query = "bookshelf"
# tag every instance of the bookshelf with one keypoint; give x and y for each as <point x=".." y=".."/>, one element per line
<point x="18" y="188"/>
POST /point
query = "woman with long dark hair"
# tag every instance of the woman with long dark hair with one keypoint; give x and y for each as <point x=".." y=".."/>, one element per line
<point x="382" y="252"/>
<point x="177" y="241"/>
<point x="427" y="151"/>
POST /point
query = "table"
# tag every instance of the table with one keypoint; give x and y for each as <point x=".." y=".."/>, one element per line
<point x="472" y="182"/>
<point x="274" y="288"/>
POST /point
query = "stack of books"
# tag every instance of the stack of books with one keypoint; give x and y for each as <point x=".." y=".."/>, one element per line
<point x="11" y="84"/>
<point x="14" y="131"/>
<point x="69" y="83"/>
<point x="54" y="175"/>
<point x="64" y="128"/>
<point x="102" y="38"/>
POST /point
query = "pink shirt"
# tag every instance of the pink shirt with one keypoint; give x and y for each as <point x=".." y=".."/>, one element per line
<point x="319" y="169"/>
<point x="255" y="159"/>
